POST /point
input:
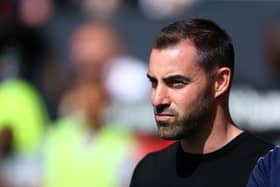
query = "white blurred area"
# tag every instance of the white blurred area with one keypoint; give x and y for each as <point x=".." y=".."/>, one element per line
<point x="126" y="80"/>
<point x="254" y="110"/>
<point x="155" y="9"/>
<point x="160" y="9"/>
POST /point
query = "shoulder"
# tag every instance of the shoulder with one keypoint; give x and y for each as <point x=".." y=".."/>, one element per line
<point x="272" y="157"/>
<point x="158" y="156"/>
<point x="266" y="170"/>
<point x="151" y="164"/>
<point x="270" y="160"/>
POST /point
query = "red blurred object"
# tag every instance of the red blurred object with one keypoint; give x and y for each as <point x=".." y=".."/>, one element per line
<point x="146" y="143"/>
<point x="5" y="10"/>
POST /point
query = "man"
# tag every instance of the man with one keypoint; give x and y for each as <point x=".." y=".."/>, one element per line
<point x="191" y="69"/>
<point x="266" y="171"/>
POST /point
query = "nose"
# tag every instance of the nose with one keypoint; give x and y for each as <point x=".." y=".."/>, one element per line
<point x="160" y="96"/>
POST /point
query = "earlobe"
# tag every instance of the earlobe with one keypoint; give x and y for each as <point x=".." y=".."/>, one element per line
<point x="222" y="81"/>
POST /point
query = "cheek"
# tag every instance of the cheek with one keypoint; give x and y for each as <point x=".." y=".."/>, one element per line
<point x="185" y="101"/>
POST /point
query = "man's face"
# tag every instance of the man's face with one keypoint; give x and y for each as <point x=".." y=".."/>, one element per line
<point x="181" y="94"/>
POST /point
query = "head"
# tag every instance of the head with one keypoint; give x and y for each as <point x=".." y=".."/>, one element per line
<point x="191" y="67"/>
<point x="92" y="45"/>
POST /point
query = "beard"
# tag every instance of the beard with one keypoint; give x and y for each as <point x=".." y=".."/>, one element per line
<point x="192" y="122"/>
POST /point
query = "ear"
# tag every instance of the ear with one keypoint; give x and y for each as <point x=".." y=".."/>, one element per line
<point x="222" y="81"/>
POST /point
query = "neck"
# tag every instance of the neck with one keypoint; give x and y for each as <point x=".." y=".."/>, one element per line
<point x="213" y="136"/>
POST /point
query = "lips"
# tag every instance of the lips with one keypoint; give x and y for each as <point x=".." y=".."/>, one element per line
<point x="163" y="116"/>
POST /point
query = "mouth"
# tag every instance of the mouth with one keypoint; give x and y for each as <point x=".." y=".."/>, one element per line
<point x="163" y="117"/>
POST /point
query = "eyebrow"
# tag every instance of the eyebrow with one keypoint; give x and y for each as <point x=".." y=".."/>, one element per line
<point x="171" y="77"/>
<point x="177" y="77"/>
<point x="150" y="77"/>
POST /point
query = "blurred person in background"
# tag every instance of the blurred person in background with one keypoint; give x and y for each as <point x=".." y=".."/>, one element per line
<point x="83" y="148"/>
<point x="191" y="70"/>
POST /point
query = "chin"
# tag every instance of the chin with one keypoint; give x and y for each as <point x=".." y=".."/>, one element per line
<point x="169" y="134"/>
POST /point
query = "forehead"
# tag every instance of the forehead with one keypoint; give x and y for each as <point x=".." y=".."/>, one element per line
<point x="178" y="59"/>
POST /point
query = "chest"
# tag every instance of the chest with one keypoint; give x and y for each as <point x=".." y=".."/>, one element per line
<point x="220" y="172"/>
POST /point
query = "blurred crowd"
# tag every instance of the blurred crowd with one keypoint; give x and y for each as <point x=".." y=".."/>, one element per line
<point x="74" y="100"/>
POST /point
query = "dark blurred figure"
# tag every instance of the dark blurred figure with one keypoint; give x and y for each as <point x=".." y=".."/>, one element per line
<point x="272" y="47"/>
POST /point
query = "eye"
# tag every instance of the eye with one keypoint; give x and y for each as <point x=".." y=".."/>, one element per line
<point x="153" y="81"/>
<point x="177" y="84"/>
<point x="177" y="81"/>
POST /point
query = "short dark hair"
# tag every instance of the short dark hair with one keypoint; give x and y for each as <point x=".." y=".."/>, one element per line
<point x="213" y="44"/>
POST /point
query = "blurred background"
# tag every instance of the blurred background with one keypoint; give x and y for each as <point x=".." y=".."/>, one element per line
<point x="74" y="99"/>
